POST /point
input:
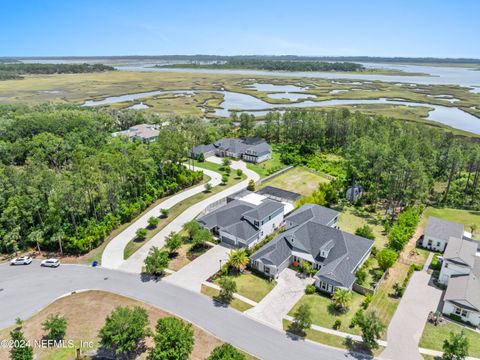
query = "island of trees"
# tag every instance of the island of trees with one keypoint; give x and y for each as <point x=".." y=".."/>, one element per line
<point x="273" y="65"/>
<point x="14" y="71"/>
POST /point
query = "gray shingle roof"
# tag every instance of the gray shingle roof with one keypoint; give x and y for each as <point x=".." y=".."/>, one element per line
<point x="201" y="149"/>
<point x="232" y="145"/>
<point x="307" y="212"/>
<point x="461" y="251"/>
<point x="266" y="208"/>
<point x="226" y="215"/>
<point x="464" y="288"/>
<point x="346" y="250"/>
<point x="443" y="229"/>
<point x="242" y="230"/>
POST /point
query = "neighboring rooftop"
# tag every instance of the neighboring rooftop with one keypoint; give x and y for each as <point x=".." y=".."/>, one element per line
<point x="308" y="212"/>
<point x="443" y="229"/>
<point x="464" y="290"/>
<point x="271" y="191"/>
<point x="264" y="209"/>
<point x="461" y="251"/>
<point x="140" y="131"/>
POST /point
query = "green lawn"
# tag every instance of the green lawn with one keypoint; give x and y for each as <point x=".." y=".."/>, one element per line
<point x="177" y="209"/>
<point x="465" y="217"/>
<point x="433" y="337"/>
<point x="252" y="286"/>
<point x="334" y="340"/>
<point x="352" y="218"/>
<point x="324" y="313"/>
<point x="299" y="180"/>
<point x="263" y="168"/>
<point x="235" y="303"/>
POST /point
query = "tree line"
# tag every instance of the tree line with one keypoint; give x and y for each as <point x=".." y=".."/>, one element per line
<point x="274" y="65"/>
<point x="66" y="183"/>
<point x="399" y="163"/>
<point x="14" y="71"/>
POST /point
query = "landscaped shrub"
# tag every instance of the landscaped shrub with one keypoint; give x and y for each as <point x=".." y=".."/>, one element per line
<point x="337" y="324"/>
<point x="403" y="230"/>
<point x="366" y="302"/>
<point x="361" y="275"/>
<point x="310" y="289"/>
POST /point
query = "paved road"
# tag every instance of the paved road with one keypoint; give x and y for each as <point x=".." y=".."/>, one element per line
<point x="135" y="262"/>
<point x="406" y="327"/>
<point x="112" y="256"/>
<point x="27" y="289"/>
<point x="275" y="306"/>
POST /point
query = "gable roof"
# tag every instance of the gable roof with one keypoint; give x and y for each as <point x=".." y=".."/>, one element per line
<point x="461" y="251"/>
<point x="266" y="208"/>
<point x="226" y="215"/>
<point x="308" y="212"/>
<point x="465" y="288"/>
<point x="443" y="229"/>
<point x="200" y="149"/>
<point x="346" y="250"/>
<point x="242" y="229"/>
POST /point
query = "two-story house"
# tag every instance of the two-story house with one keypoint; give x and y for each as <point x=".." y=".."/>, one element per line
<point x="242" y="224"/>
<point x="461" y="273"/>
<point x="311" y="236"/>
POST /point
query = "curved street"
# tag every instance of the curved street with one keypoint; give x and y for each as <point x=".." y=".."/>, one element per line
<point x="112" y="256"/>
<point x="24" y="290"/>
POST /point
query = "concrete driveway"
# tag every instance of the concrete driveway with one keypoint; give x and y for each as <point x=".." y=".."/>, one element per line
<point x="406" y="327"/>
<point x="195" y="273"/>
<point x="278" y="302"/>
<point x="135" y="262"/>
<point x="112" y="256"/>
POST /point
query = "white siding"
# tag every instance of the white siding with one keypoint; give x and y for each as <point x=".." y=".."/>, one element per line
<point x="436" y="244"/>
<point x="471" y="316"/>
<point x="448" y="269"/>
<point x="269" y="226"/>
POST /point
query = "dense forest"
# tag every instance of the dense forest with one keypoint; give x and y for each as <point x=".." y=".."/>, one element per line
<point x="399" y="163"/>
<point x="274" y="65"/>
<point x="16" y="70"/>
<point x="66" y="183"/>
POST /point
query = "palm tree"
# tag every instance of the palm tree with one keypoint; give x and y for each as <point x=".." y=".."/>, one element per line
<point x="341" y="299"/>
<point x="238" y="259"/>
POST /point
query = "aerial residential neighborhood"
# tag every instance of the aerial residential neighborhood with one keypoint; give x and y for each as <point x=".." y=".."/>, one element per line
<point x="255" y="180"/>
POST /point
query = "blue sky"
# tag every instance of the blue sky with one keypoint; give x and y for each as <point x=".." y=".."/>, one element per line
<point x="303" y="27"/>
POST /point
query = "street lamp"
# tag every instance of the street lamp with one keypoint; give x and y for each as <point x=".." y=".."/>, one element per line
<point x="220" y="264"/>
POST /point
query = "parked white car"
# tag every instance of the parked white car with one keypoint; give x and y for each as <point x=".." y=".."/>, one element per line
<point x="23" y="260"/>
<point x="50" y="263"/>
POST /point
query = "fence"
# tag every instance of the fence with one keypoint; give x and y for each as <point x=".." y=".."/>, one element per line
<point x="364" y="290"/>
<point x="274" y="175"/>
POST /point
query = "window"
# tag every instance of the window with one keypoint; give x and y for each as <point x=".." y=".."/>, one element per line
<point x="430" y="242"/>
<point x="461" y="312"/>
<point x="438" y="243"/>
<point x="446" y="265"/>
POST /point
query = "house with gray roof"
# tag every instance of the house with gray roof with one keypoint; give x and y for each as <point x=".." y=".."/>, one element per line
<point x="461" y="273"/>
<point x="311" y="236"/>
<point x="253" y="150"/>
<point x="439" y="231"/>
<point x="242" y="224"/>
<point x="143" y="132"/>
